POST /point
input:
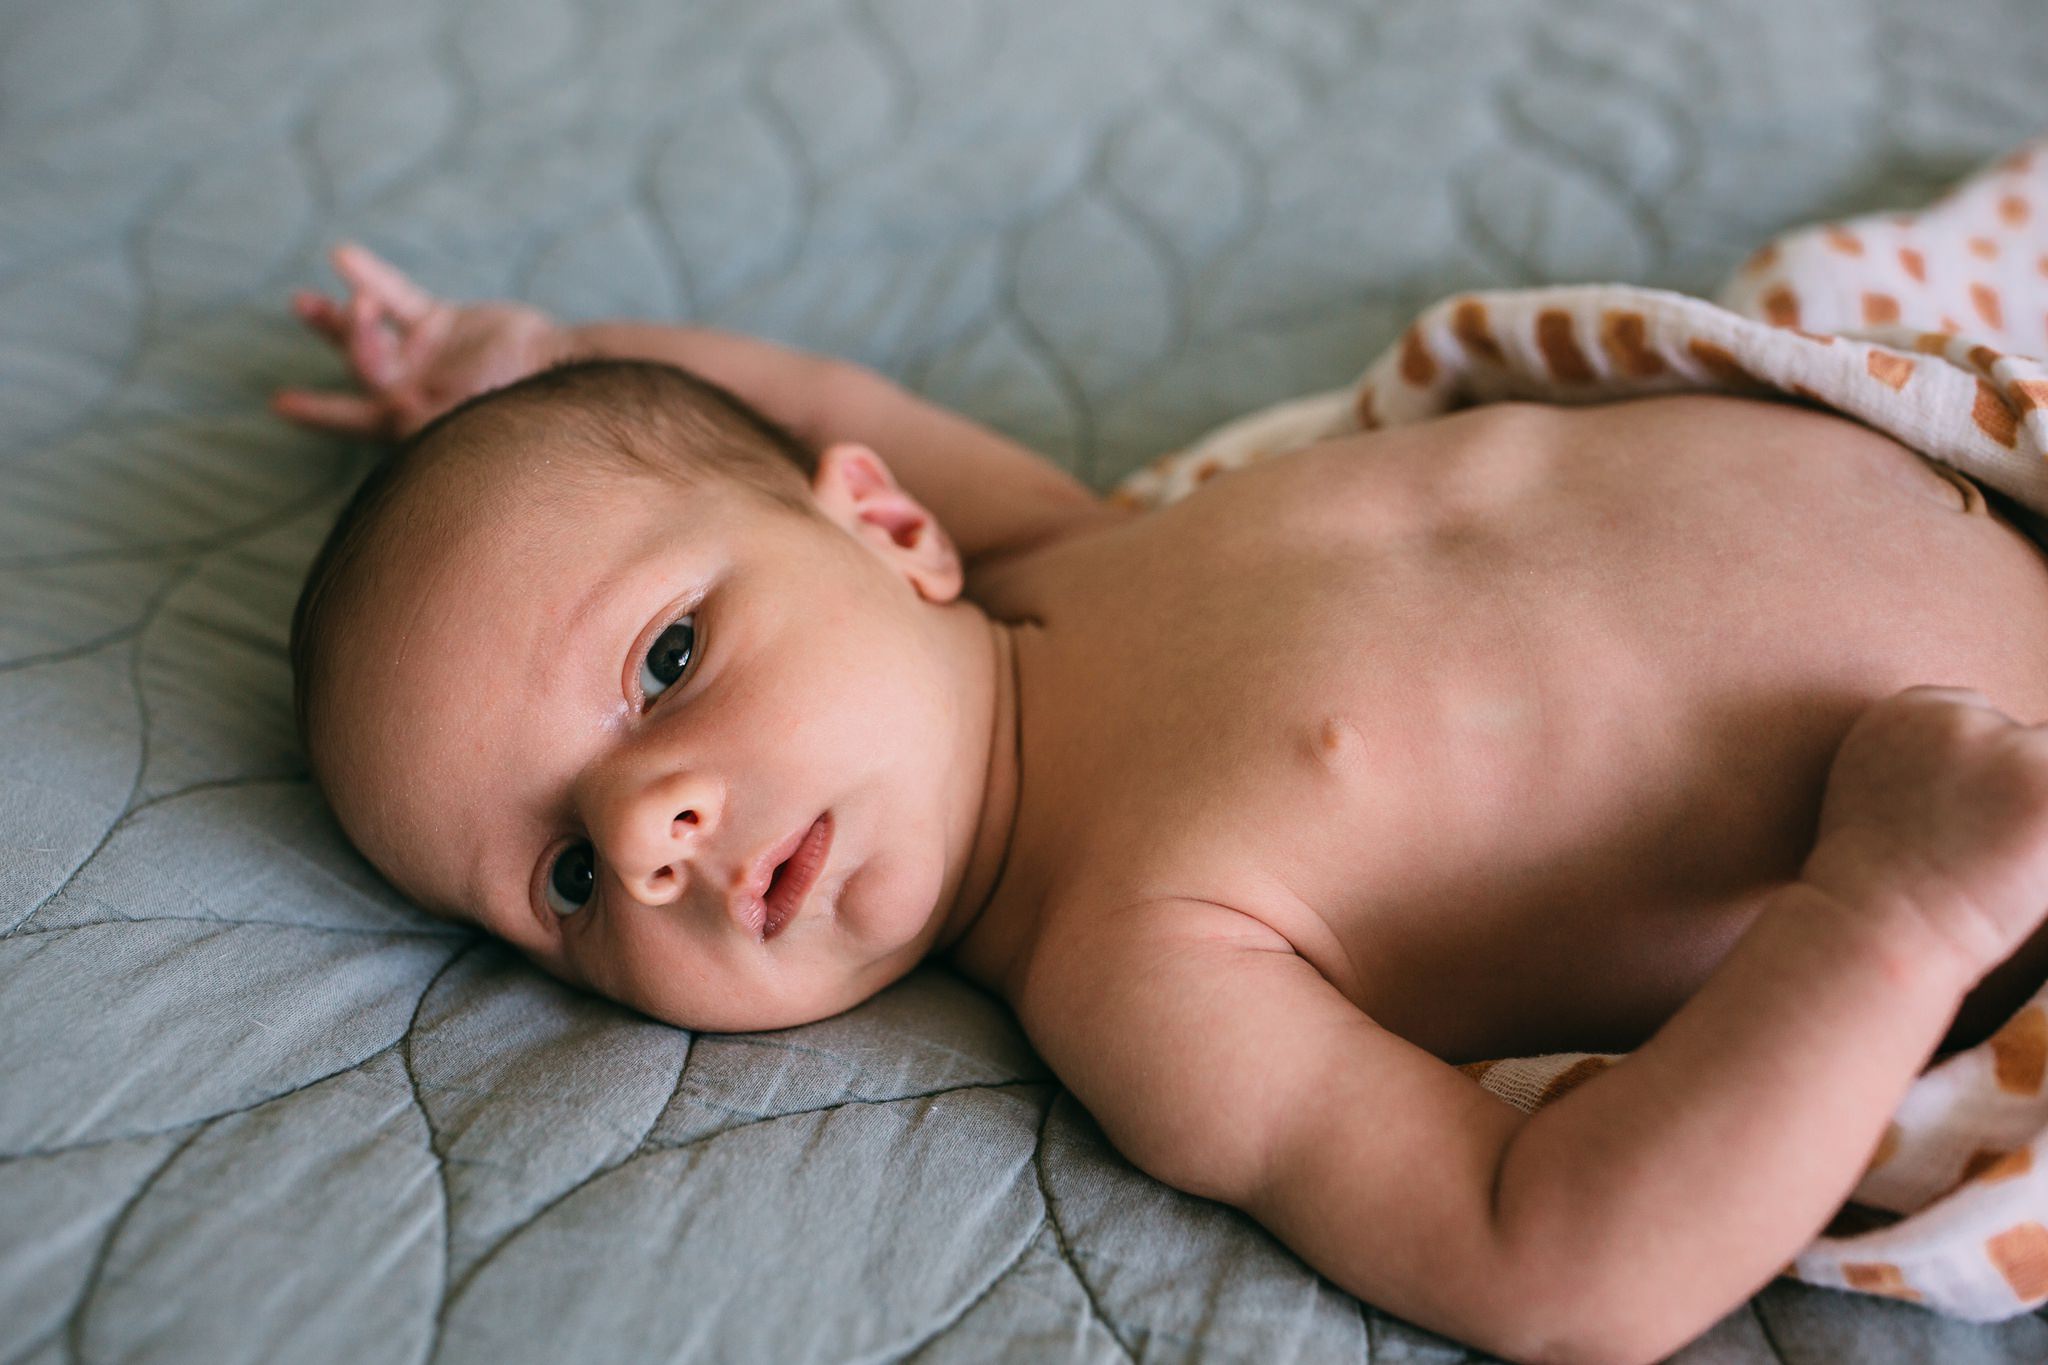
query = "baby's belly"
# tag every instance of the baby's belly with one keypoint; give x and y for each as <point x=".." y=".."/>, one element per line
<point x="1616" y="735"/>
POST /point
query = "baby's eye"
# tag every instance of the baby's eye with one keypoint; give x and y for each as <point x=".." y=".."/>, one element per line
<point x="572" y="879"/>
<point x="668" y="657"/>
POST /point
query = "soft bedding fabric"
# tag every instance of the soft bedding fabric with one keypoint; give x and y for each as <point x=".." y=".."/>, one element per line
<point x="252" y="1106"/>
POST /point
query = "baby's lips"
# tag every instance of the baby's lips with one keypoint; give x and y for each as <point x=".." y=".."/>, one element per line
<point x="797" y="874"/>
<point x="747" y="903"/>
<point x="748" y="911"/>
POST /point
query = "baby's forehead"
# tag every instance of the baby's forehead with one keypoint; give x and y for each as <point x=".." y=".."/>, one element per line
<point x="483" y="482"/>
<point x="457" y="537"/>
<point x="539" y="464"/>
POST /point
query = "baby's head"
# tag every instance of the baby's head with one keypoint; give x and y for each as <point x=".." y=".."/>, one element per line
<point x="609" y="665"/>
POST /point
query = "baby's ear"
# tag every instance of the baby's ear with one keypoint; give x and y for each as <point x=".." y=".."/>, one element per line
<point x="855" y="489"/>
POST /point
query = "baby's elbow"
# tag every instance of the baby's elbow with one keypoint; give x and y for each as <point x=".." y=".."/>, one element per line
<point x="1585" y="1330"/>
<point x="1591" y="1349"/>
<point x="1565" y="1292"/>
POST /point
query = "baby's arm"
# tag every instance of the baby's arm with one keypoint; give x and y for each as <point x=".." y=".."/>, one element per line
<point x="1697" y="1167"/>
<point x="416" y="356"/>
<point x="1627" y="1217"/>
<point x="993" y="496"/>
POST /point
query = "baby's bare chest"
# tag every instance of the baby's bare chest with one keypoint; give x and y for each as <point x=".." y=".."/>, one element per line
<point x="1501" y="725"/>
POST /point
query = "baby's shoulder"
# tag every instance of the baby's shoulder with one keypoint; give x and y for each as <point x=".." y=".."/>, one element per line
<point x="1141" y="922"/>
<point x="1086" y="943"/>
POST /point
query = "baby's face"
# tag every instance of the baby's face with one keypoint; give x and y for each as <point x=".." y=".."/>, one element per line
<point x="596" y="718"/>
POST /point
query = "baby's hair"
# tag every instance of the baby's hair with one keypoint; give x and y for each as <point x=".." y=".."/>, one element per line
<point x="633" y="417"/>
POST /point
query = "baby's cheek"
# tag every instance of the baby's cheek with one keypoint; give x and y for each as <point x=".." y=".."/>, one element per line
<point x="557" y="967"/>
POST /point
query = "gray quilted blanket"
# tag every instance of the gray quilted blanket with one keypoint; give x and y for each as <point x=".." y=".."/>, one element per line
<point x="252" y="1107"/>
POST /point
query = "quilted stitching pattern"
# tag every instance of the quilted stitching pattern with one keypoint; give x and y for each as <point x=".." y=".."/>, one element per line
<point x="253" y="1107"/>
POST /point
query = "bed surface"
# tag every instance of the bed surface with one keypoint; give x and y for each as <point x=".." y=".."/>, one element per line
<point x="252" y="1106"/>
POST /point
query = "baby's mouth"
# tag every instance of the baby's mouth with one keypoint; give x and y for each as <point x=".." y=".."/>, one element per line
<point x="796" y="875"/>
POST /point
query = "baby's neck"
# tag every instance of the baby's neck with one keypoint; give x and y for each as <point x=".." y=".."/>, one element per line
<point x="979" y="934"/>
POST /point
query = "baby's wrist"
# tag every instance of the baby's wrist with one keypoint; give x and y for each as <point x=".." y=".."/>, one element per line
<point x="594" y="341"/>
<point x="574" y="342"/>
<point x="1874" y="917"/>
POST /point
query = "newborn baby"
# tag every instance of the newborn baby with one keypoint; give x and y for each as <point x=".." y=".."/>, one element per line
<point x="1526" y="729"/>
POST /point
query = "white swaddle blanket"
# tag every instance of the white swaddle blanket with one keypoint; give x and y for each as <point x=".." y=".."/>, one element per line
<point x="1929" y="326"/>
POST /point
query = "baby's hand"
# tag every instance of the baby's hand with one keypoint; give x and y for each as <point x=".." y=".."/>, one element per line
<point x="414" y="355"/>
<point x="1937" y="811"/>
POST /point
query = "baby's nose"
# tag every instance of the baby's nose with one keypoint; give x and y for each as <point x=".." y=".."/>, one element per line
<point x="654" y="834"/>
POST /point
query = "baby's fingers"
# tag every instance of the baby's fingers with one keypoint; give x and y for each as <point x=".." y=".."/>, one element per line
<point x="348" y="413"/>
<point x="322" y="314"/>
<point x="1954" y="696"/>
<point x="369" y="274"/>
<point x="371" y="348"/>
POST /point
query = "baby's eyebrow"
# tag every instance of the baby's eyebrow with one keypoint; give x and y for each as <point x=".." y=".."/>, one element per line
<point x="549" y="646"/>
<point x="587" y="604"/>
<point x="564" y="648"/>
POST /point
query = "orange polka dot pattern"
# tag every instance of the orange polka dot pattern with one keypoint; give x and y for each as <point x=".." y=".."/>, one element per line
<point x="1930" y="326"/>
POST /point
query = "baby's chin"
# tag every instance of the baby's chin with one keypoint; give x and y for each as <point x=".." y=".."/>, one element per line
<point x="745" y="1020"/>
<point x="749" y="1017"/>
